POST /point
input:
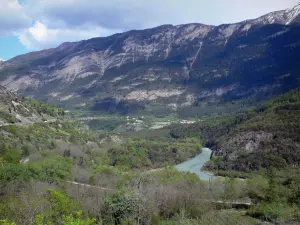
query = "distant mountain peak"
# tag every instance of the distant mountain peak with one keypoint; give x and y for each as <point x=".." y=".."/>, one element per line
<point x="298" y="5"/>
<point x="284" y="17"/>
<point x="293" y="14"/>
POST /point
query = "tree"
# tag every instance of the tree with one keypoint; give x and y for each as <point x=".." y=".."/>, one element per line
<point x="5" y="222"/>
<point x="67" y="153"/>
<point x="76" y="219"/>
<point x="69" y="219"/>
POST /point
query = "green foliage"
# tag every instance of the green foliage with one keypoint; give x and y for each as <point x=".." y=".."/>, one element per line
<point x="273" y="212"/>
<point x="100" y="158"/>
<point x="76" y="219"/>
<point x="277" y="195"/>
<point x="60" y="203"/>
<point x="233" y="189"/>
<point x="107" y="124"/>
<point x="60" y="209"/>
<point x="215" y="164"/>
<point x="171" y="175"/>
<point x="51" y="168"/>
<point x="43" y="108"/>
<point x="215" y="218"/>
<point x="40" y="220"/>
<point x="138" y="153"/>
<point x="134" y="194"/>
<point x="8" y="118"/>
<point x="274" y="128"/>
<point x="40" y="137"/>
<point x="121" y="204"/>
<point x="10" y="172"/>
<point x="5" y="222"/>
<point x="208" y="130"/>
<point x="9" y="155"/>
<point x="257" y="188"/>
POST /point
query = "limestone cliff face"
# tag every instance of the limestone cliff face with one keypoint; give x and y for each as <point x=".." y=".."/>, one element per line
<point x="15" y="109"/>
<point x="168" y="67"/>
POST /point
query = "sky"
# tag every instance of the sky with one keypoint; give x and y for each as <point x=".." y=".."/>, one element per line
<point x="30" y="25"/>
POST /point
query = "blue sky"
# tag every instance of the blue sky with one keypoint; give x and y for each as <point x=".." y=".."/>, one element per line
<point x="10" y="46"/>
<point x="29" y="25"/>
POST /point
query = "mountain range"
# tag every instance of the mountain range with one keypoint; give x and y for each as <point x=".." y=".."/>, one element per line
<point x="191" y="69"/>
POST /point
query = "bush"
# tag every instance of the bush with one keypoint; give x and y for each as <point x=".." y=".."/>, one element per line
<point x="5" y="222"/>
<point x="257" y="188"/>
<point x="272" y="212"/>
<point x="122" y="205"/>
<point x="143" y="153"/>
<point x="77" y="219"/>
<point x="52" y="169"/>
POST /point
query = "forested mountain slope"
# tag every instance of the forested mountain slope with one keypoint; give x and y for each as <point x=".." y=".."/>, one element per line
<point x="269" y="137"/>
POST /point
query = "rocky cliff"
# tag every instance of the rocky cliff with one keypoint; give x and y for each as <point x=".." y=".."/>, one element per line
<point x="15" y="109"/>
<point x="167" y="68"/>
<point x="267" y="137"/>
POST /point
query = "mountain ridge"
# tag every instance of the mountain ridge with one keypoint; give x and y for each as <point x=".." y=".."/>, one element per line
<point x="167" y="67"/>
<point x="295" y="11"/>
<point x="285" y="17"/>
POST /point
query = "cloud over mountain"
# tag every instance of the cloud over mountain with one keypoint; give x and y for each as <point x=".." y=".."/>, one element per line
<point x="12" y="17"/>
<point x="46" y="23"/>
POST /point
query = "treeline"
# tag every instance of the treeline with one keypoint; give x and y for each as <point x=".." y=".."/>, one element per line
<point x="139" y="153"/>
<point x="43" y="108"/>
<point x="209" y="130"/>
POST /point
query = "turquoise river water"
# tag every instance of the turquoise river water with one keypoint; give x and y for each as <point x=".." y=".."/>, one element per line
<point x="194" y="165"/>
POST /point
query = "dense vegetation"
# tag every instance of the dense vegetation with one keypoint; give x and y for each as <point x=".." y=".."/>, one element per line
<point x="43" y="108"/>
<point x="110" y="124"/>
<point x="264" y="142"/>
<point x="208" y="130"/>
<point x="61" y="173"/>
<point x="38" y="137"/>
<point x="153" y="154"/>
<point x="264" y="137"/>
<point x="267" y="138"/>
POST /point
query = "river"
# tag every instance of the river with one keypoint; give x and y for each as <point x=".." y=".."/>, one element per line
<point x="194" y="165"/>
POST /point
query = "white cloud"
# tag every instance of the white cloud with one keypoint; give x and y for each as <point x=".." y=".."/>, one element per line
<point x="38" y="31"/>
<point x="13" y="18"/>
<point x="39" y="36"/>
<point x="136" y="14"/>
<point x="2" y="60"/>
<point x="59" y="21"/>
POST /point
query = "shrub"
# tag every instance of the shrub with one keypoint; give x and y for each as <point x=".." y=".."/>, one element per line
<point x="271" y="212"/>
<point x="77" y="219"/>
<point x="257" y="188"/>
<point x="5" y="222"/>
<point x="122" y="205"/>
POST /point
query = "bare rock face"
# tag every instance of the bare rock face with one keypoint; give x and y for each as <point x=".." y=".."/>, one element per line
<point x="247" y="142"/>
<point x="285" y="17"/>
<point x="14" y="109"/>
<point x="167" y="67"/>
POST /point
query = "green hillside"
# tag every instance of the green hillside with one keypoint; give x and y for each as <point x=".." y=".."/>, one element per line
<point x="268" y="137"/>
<point x="58" y="171"/>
